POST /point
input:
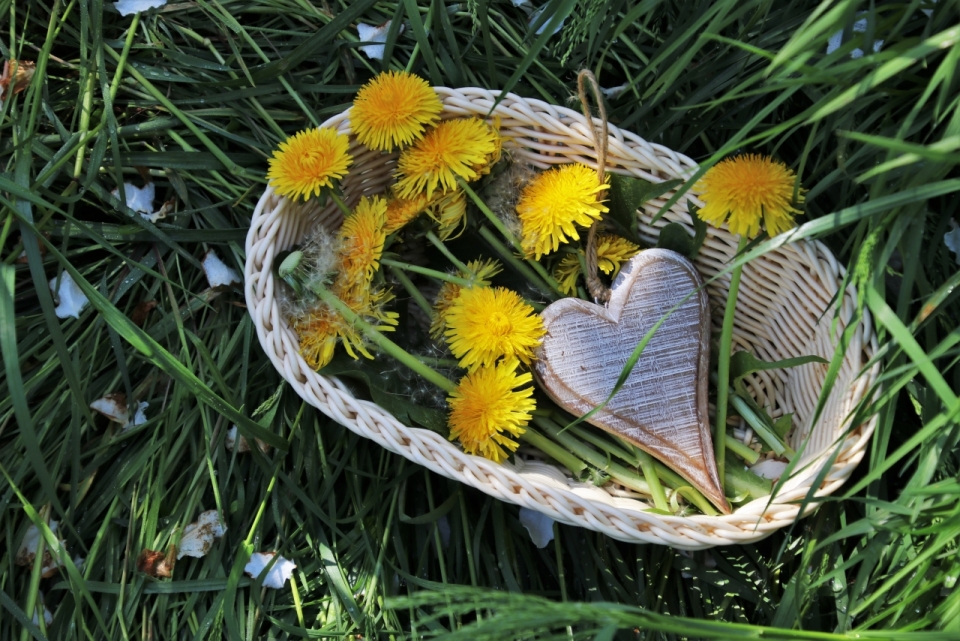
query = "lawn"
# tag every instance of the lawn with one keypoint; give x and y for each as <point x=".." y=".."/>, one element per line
<point x="860" y="99"/>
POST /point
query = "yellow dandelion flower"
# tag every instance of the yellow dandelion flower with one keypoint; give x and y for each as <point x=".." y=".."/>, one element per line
<point x="392" y="110"/>
<point x="322" y="328"/>
<point x="567" y="273"/>
<point x="748" y="189"/>
<point x="612" y="252"/>
<point x="485" y="323"/>
<point x="307" y="162"/>
<point x="554" y="203"/>
<point x="401" y="211"/>
<point x="450" y="210"/>
<point x="461" y="147"/>
<point x="479" y="272"/>
<point x="488" y="412"/>
<point x="360" y="241"/>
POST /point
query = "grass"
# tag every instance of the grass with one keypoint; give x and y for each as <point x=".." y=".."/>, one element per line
<point x="198" y="94"/>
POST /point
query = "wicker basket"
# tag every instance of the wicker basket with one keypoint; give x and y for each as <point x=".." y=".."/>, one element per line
<point x="785" y="308"/>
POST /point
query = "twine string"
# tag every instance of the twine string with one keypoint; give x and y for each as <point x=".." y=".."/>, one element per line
<point x="599" y="291"/>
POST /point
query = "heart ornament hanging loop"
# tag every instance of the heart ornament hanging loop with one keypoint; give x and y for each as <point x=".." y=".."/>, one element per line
<point x="662" y="407"/>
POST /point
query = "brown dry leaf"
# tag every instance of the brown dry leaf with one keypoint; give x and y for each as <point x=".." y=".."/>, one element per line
<point x="20" y="79"/>
<point x="157" y="564"/>
<point x="139" y="315"/>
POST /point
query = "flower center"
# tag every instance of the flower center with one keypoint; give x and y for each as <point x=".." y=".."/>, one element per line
<point x="499" y="324"/>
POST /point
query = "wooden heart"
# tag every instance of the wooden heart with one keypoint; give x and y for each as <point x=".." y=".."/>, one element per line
<point x="662" y="407"/>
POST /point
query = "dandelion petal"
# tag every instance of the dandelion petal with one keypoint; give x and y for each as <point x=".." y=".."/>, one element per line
<point x="539" y="526"/>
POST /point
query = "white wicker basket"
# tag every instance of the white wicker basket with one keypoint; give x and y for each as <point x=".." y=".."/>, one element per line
<point x="785" y="308"/>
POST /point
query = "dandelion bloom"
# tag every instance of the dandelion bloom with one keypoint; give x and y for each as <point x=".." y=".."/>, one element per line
<point x="463" y="147"/>
<point x="401" y="211"/>
<point x="308" y="161"/>
<point x="487" y="411"/>
<point x="320" y="329"/>
<point x="392" y="110"/>
<point x="612" y="252"/>
<point x="479" y="272"/>
<point x="361" y="241"/>
<point x="485" y="323"/>
<point x="554" y="203"/>
<point x="450" y="210"/>
<point x="749" y="188"/>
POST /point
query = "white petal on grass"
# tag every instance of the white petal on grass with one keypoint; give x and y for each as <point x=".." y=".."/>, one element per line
<point x="217" y="272"/>
<point x="952" y="239"/>
<point x="539" y="526"/>
<point x="236" y="440"/>
<point x="613" y="92"/>
<point x="72" y="299"/>
<point x="198" y="537"/>
<point x="130" y="7"/>
<point x="860" y="26"/>
<point x="769" y="469"/>
<point x="114" y="407"/>
<point x="47" y="615"/>
<point x="378" y="35"/>
<point x="141" y="200"/>
<point x="277" y="576"/>
<point x="27" y="552"/>
<point x="536" y="14"/>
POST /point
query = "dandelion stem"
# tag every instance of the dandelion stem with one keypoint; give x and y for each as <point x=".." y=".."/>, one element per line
<point x="764" y="433"/>
<point x="426" y="271"/>
<point x="741" y="450"/>
<point x="384" y="343"/>
<point x="723" y="367"/>
<point x="743" y="481"/>
<point x="673" y="480"/>
<point x="339" y="202"/>
<point x="506" y="233"/>
<point x="650" y="475"/>
<point x="518" y="265"/>
<point x="415" y="293"/>
<point x="554" y="451"/>
<point x="436" y="242"/>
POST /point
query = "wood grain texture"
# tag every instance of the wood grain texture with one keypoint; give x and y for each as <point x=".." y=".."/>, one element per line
<point x="662" y="407"/>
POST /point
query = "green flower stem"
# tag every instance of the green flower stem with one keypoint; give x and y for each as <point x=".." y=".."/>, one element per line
<point x="743" y="481"/>
<point x="415" y="293"/>
<point x="339" y="202"/>
<point x="517" y="264"/>
<point x="760" y="428"/>
<point x="385" y="344"/>
<point x="506" y="233"/>
<point x="456" y="262"/>
<point x="623" y="475"/>
<point x="425" y="271"/>
<point x="650" y="474"/>
<point x="741" y="450"/>
<point x="673" y="480"/>
<point x="723" y="367"/>
<point x="553" y="450"/>
<point x="604" y="444"/>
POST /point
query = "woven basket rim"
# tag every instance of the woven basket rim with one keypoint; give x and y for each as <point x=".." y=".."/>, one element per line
<point x="524" y="483"/>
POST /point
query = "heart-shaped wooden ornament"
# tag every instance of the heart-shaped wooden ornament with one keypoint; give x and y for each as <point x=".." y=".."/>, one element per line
<point x="662" y="407"/>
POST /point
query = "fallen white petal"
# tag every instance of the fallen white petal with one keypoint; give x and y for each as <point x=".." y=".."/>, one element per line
<point x="536" y="14"/>
<point x="860" y="26"/>
<point x="140" y="417"/>
<point x="217" y="272"/>
<point x="613" y="92"/>
<point x="769" y="469"/>
<point x="130" y="7"/>
<point x="198" y="537"/>
<point x="373" y="34"/>
<point x="235" y="440"/>
<point x="72" y="298"/>
<point x="138" y="199"/>
<point x="47" y="615"/>
<point x="28" y="550"/>
<point x="114" y="407"/>
<point x="539" y="526"/>
<point x="278" y="574"/>
<point x="952" y="240"/>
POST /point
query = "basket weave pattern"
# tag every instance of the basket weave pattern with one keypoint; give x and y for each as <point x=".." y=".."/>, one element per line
<point x="786" y="307"/>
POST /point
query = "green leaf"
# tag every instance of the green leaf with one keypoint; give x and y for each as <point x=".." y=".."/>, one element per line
<point x="675" y="238"/>
<point x="626" y="196"/>
<point x="743" y="363"/>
